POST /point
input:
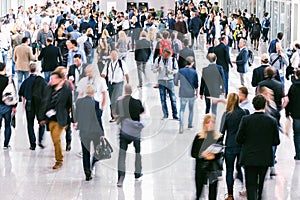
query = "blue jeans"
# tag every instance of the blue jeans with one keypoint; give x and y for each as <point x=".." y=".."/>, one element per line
<point x="47" y="76"/>
<point x="4" y="56"/>
<point x="21" y="74"/>
<point x="164" y="87"/>
<point x="231" y="155"/>
<point x="13" y="64"/>
<point x="226" y="80"/>
<point x="296" y="128"/>
<point x="5" y="112"/>
<point x="183" y="102"/>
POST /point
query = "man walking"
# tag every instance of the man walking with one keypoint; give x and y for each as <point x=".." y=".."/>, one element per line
<point x="30" y="91"/>
<point x="257" y="134"/>
<point x="128" y="111"/>
<point x="51" y="58"/>
<point x="188" y="91"/>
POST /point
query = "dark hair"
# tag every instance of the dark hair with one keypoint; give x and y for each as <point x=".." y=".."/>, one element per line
<point x="259" y="102"/>
<point x="244" y="90"/>
<point x="74" y="42"/>
<point x="166" y="34"/>
<point x="280" y="35"/>
<point x="77" y="55"/>
<point x="32" y="67"/>
<point x="49" y="39"/>
<point x="59" y="75"/>
<point x="2" y="66"/>
<point x="24" y="39"/>
<point x="75" y="26"/>
<point x="269" y="72"/>
<point x="186" y="42"/>
<point x="297" y="73"/>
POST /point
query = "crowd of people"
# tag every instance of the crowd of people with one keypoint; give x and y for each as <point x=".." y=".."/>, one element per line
<point x="83" y="53"/>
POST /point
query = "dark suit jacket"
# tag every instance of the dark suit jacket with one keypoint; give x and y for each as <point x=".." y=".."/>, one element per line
<point x="277" y="88"/>
<point x="84" y="26"/>
<point x="86" y="117"/>
<point x="242" y="61"/>
<point x="258" y="75"/>
<point x="257" y="134"/>
<point x="212" y="81"/>
<point x="143" y="50"/>
<point x="62" y="108"/>
<point x="195" y="25"/>
<point x="72" y="70"/>
<point x="51" y="58"/>
<point x="111" y="29"/>
<point x="223" y="58"/>
<point x="183" y="54"/>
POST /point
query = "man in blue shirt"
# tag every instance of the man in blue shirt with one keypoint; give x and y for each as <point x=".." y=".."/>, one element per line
<point x="187" y="91"/>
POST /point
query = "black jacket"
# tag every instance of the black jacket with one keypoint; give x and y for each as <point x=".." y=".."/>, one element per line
<point x="51" y="58"/>
<point x="84" y="26"/>
<point x="258" y="75"/>
<point x="257" y="134"/>
<point x="72" y="70"/>
<point x="195" y="25"/>
<point x="183" y="54"/>
<point x="223" y="57"/>
<point x="143" y="50"/>
<point x="293" y="107"/>
<point x="62" y="108"/>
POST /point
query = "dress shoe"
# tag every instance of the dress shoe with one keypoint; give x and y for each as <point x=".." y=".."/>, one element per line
<point x="120" y="181"/>
<point x="8" y="147"/>
<point x="88" y="178"/>
<point x="272" y="171"/>
<point x="68" y="146"/>
<point x="229" y="197"/>
<point x="41" y="145"/>
<point x="190" y="126"/>
<point x="57" y="165"/>
<point x="112" y="120"/>
<point x="155" y="86"/>
<point x="175" y="118"/>
<point x="32" y="148"/>
<point x="138" y="177"/>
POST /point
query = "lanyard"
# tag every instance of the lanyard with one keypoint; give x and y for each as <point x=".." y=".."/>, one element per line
<point x="113" y="71"/>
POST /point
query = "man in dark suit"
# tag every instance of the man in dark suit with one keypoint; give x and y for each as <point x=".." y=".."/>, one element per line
<point x="259" y="72"/>
<point x="100" y="26"/>
<point x="85" y="24"/>
<point x="223" y="59"/>
<point x="141" y="54"/>
<point x="257" y="134"/>
<point x="242" y="60"/>
<point x="274" y="85"/>
<point x="212" y="82"/>
<point x="194" y="28"/>
<point x="184" y="53"/>
<point x="90" y="129"/>
<point x="51" y="58"/>
<point x="31" y="90"/>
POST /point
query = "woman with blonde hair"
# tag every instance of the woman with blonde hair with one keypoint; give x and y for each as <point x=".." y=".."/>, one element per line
<point x="103" y="53"/>
<point x="122" y="45"/>
<point x="208" y="167"/>
<point x="230" y="123"/>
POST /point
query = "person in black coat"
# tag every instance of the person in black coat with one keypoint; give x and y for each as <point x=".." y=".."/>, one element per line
<point x="274" y="85"/>
<point x="194" y="28"/>
<point x="31" y="90"/>
<point x="51" y="58"/>
<point x="212" y="83"/>
<point x="89" y="127"/>
<point x="84" y="25"/>
<point x="257" y="134"/>
<point x="223" y="59"/>
<point x="142" y="54"/>
<point x="184" y="53"/>
<point x="207" y="165"/>
<point x="259" y="72"/>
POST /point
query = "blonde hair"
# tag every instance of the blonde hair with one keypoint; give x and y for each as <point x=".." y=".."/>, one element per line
<point x="62" y="71"/>
<point x="122" y="35"/>
<point x="151" y="34"/>
<point x="232" y="102"/>
<point x="206" y="120"/>
<point x="89" y="31"/>
<point x="90" y="90"/>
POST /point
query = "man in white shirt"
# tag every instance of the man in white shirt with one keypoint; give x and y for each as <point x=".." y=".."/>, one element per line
<point x="115" y="72"/>
<point x="100" y="90"/>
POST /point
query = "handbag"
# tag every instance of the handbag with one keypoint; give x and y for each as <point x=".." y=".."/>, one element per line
<point x="9" y="94"/>
<point x="103" y="150"/>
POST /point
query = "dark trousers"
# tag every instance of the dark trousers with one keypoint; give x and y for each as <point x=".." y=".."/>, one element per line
<point x="30" y="115"/>
<point x="5" y="112"/>
<point x="209" y="104"/>
<point x="226" y="80"/>
<point x="255" y="177"/>
<point x="124" y="142"/>
<point x="201" y="180"/>
<point x="231" y="155"/>
<point x="193" y="38"/>
<point x="86" y="139"/>
<point x="265" y="32"/>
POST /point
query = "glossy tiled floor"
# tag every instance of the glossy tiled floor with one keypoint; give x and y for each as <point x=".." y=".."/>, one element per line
<point x="167" y="166"/>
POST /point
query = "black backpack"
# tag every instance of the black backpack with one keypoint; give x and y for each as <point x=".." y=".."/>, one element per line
<point x="267" y="22"/>
<point x="256" y="29"/>
<point x="88" y="47"/>
<point x="250" y="58"/>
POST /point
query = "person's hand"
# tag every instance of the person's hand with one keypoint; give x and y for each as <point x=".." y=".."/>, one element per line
<point x="13" y="110"/>
<point x="208" y="156"/>
<point x="201" y="97"/>
<point x="42" y="123"/>
<point x="159" y="68"/>
<point x="75" y="126"/>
